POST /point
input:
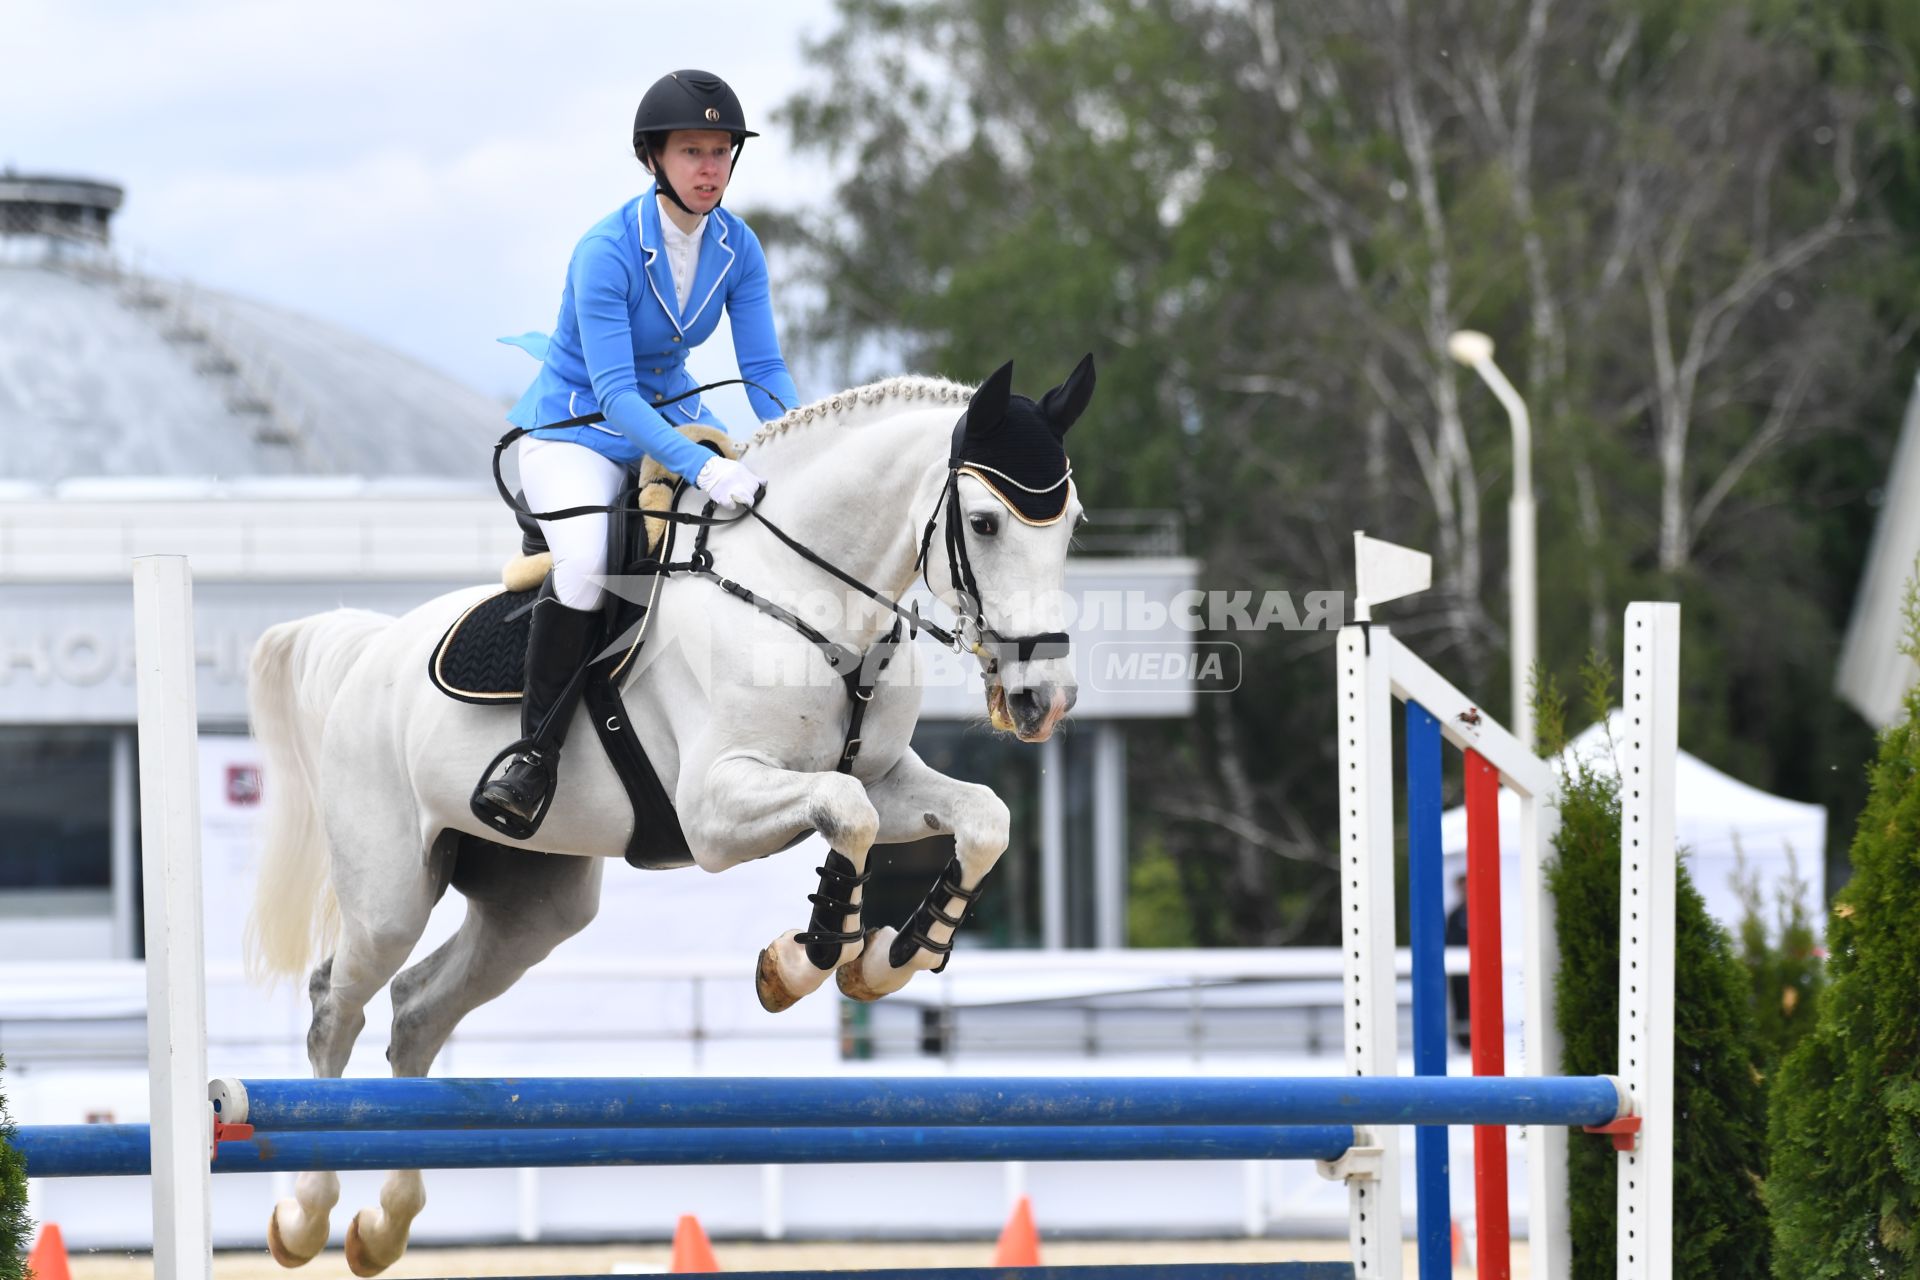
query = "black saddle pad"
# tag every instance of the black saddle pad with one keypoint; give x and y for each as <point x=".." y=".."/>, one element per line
<point x="483" y="656"/>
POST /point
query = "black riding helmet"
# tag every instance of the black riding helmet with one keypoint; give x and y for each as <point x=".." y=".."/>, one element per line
<point x="685" y="100"/>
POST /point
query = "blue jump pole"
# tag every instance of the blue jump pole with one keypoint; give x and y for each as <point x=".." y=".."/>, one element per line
<point x="284" y="1106"/>
<point x="93" y="1150"/>
<point x="1427" y="931"/>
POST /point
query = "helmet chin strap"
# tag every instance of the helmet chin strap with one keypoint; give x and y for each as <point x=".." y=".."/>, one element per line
<point x="666" y="189"/>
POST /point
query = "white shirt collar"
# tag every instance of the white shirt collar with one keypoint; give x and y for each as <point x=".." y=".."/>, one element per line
<point x="670" y="231"/>
<point x="683" y="251"/>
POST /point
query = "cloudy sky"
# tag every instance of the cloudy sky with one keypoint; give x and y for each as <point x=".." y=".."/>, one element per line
<point x="417" y="171"/>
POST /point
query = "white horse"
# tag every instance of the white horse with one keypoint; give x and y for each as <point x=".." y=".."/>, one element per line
<point x="371" y="767"/>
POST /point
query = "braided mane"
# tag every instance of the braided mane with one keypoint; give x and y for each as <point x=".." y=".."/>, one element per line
<point x="864" y="404"/>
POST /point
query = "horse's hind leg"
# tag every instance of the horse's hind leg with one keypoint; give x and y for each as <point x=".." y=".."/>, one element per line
<point x="297" y="1230"/>
<point x="914" y="802"/>
<point x="520" y="906"/>
<point x="381" y="918"/>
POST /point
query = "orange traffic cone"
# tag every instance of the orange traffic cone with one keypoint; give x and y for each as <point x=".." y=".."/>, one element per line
<point x="692" y="1253"/>
<point x="48" y="1261"/>
<point x="1462" y="1255"/>
<point x="1019" y="1243"/>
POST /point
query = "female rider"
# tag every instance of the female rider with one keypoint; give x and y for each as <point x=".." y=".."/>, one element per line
<point x="646" y="285"/>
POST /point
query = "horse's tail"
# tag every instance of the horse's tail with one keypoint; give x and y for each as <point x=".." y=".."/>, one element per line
<point x="297" y="669"/>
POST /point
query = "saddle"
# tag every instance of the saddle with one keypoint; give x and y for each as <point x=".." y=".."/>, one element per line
<point x="482" y="657"/>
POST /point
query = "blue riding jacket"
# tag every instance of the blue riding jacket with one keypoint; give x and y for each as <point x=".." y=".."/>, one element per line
<point x="620" y="345"/>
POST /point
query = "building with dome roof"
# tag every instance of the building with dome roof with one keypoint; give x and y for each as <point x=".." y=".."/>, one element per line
<point x="109" y="374"/>
<point x="301" y="468"/>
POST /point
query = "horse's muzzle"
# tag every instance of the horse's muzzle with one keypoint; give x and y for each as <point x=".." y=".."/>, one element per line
<point x="1036" y="710"/>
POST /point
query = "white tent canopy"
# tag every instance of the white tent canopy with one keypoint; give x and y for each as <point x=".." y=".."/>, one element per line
<point x="1718" y="819"/>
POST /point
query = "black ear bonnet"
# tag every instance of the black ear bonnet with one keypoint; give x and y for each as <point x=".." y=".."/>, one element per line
<point x="1017" y="447"/>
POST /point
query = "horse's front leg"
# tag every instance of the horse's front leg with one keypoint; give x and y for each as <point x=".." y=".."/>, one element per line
<point x="914" y="802"/>
<point x="750" y="807"/>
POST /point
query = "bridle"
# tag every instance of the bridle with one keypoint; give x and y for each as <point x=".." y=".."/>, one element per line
<point x="971" y="633"/>
<point x="988" y="644"/>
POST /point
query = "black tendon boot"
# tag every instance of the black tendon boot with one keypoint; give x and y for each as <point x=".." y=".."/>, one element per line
<point x="832" y="907"/>
<point x="916" y="933"/>
<point x="559" y="643"/>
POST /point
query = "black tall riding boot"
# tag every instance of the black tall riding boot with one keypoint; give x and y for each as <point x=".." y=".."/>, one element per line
<point x="559" y="643"/>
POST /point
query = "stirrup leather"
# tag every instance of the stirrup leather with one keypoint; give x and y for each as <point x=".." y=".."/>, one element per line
<point x="931" y="911"/>
<point x="831" y="905"/>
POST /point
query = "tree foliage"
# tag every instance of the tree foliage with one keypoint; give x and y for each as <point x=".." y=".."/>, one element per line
<point x="1783" y="960"/>
<point x="1265" y="218"/>
<point x="1845" y="1124"/>
<point x="1720" y="1101"/>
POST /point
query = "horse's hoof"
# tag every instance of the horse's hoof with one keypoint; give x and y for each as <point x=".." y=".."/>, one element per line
<point x="775" y="995"/>
<point x="359" y="1260"/>
<point x="780" y="985"/>
<point x="849" y="978"/>
<point x="873" y="974"/>
<point x="278" y="1247"/>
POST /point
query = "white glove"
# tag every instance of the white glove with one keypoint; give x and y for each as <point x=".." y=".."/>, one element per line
<point x="729" y="483"/>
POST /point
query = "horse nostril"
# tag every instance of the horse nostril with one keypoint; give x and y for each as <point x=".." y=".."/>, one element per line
<point x="1026" y="704"/>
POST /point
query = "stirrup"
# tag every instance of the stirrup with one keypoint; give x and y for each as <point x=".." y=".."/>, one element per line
<point x="512" y="825"/>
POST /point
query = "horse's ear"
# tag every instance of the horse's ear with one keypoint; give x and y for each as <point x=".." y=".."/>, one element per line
<point x="1063" y="405"/>
<point x="988" y="408"/>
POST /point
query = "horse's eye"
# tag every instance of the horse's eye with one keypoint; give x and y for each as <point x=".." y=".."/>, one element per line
<point x="983" y="524"/>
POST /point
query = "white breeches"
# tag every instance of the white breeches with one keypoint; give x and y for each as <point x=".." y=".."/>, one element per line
<point x="557" y="474"/>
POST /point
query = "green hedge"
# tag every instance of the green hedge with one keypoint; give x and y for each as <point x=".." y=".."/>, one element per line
<point x="1719" y="1217"/>
<point x="1845" y="1190"/>
<point x="15" y="1227"/>
<point x="1783" y="961"/>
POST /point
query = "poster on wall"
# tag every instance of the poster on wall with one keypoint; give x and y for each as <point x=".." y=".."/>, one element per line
<point x="231" y="782"/>
<point x="252" y="1027"/>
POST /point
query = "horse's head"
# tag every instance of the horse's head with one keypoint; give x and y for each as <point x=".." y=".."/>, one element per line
<point x="1008" y="511"/>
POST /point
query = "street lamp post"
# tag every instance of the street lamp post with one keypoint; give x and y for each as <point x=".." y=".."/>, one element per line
<point x="1475" y="351"/>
